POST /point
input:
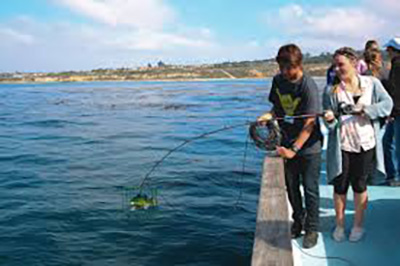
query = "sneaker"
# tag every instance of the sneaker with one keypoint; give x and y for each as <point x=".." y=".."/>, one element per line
<point x="356" y="234"/>
<point x="310" y="239"/>
<point x="338" y="234"/>
<point x="296" y="230"/>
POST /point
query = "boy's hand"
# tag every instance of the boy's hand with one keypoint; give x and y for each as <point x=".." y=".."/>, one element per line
<point x="265" y="117"/>
<point x="262" y="120"/>
<point x="285" y="152"/>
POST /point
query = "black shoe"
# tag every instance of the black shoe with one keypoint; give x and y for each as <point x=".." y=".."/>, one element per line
<point x="296" y="230"/>
<point x="310" y="239"/>
<point x="395" y="183"/>
<point x="389" y="181"/>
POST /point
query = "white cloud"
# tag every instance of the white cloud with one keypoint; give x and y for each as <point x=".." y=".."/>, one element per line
<point x="138" y="25"/>
<point x="63" y="46"/>
<point x="388" y="7"/>
<point x="290" y="12"/>
<point x="146" y="40"/>
<point x="144" y="14"/>
<point x="306" y="43"/>
<point x="133" y="32"/>
<point x="348" y="23"/>
<point x="324" y="29"/>
<point x="12" y="35"/>
<point x="329" y="23"/>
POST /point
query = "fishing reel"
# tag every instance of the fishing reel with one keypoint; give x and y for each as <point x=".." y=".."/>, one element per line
<point x="266" y="134"/>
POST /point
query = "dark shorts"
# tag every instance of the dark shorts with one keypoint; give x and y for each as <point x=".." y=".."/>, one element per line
<point x="356" y="167"/>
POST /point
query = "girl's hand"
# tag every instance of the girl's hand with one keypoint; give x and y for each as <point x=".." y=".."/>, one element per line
<point x="389" y="119"/>
<point x="329" y="116"/>
<point x="359" y="109"/>
<point x="285" y="152"/>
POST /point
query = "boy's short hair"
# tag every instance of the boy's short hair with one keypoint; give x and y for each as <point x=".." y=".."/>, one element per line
<point x="289" y="54"/>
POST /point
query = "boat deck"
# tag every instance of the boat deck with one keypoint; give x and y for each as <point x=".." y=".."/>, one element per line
<point x="380" y="245"/>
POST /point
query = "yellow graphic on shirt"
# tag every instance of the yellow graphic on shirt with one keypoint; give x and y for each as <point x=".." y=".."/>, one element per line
<point x="289" y="104"/>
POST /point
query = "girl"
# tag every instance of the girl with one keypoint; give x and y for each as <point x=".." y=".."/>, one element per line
<point x="353" y="108"/>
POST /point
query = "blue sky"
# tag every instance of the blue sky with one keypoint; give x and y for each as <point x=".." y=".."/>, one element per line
<point x="55" y="35"/>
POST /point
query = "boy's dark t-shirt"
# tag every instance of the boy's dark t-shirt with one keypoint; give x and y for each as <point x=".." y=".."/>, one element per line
<point x="292" y="99"/>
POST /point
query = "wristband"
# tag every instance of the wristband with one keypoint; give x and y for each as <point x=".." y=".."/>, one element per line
<point x="295" y="148"/>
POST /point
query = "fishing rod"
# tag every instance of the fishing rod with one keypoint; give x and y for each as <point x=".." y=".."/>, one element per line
<point x="265" y="133"/>
<point x="343" y="109"/>
<point x="142" y="201"/>
<point x="187" y="141"/>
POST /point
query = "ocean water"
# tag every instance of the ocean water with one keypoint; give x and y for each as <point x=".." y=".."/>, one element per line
<point x="69" y="151"/>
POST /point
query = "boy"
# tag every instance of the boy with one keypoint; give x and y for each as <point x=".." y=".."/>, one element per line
<point x="292" y="94"/>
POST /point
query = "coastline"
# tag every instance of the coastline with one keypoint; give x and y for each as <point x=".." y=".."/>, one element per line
<point x="131" y="80"/>
<point x="234" y="71"/>
<point x="5" y="82"/>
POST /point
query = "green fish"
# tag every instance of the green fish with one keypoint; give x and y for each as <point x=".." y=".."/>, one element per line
<point x="143" y="202"/>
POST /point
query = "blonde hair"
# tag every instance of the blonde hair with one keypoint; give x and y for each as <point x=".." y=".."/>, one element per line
<point x="347" y="52"/>
<point x="335" y="88"/>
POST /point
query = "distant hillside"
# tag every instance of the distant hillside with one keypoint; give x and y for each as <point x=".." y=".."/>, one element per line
<point x="314" y="65"/>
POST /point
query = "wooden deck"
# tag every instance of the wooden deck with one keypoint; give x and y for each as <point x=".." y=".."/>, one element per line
<point x="272" y="243"/>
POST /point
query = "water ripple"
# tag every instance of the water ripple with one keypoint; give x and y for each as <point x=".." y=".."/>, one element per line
<point x="69" y="152"/>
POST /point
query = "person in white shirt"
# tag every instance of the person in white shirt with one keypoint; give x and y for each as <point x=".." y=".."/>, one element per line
<point x="353" y="108"/>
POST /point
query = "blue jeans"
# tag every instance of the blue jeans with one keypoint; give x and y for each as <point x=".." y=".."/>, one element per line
<point x="391" y="148"/>
<point x="304" y="169"/>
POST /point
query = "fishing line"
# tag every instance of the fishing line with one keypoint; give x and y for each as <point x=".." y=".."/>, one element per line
<point x="271" y="138"/>
<point x="185" y="142"/>
<point x="141" y="200"/>
<point x="243" y="170"/>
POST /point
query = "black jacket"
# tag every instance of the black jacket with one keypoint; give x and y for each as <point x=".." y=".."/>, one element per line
<point x="394" y="88"/>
